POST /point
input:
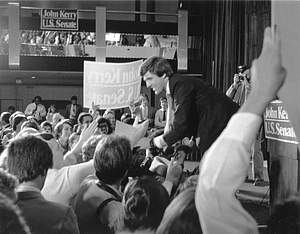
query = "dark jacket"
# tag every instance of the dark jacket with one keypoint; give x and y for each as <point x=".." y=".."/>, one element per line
<point x="200" y="110"/>
<point x="44" y="217"/>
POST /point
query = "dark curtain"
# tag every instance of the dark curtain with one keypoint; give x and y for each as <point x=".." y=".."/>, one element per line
<point x="233" y="33"/>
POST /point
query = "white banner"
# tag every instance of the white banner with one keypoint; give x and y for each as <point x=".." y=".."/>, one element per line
<point x="111" y="85"/>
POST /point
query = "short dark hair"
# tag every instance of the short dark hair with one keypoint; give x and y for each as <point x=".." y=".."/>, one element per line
<point x="143" y="95"/>
<point x="112" y="158"/>
<point x="82" y="115"/>
<point x="37" y="97"/>
<point x="74" y="98"/>
<point x="5" y="116"/>
<point x="28" y="157"/>
<point x="11" y="108"/>
<point x="46" y="123"/>
<point x="104" y="120"/>
<point x="156" y="65"/>
<point x="59" y="127"/>
<point x="145" y="201"/>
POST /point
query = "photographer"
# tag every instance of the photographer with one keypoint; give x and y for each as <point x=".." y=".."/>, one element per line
<point x="240" y="88"/>
<point x="239" y="92"/>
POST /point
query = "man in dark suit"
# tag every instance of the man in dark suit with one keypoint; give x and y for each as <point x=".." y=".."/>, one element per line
<point x="200" y="110"/>
<point x="29" y="158"/>
<point x="73" y="110"/>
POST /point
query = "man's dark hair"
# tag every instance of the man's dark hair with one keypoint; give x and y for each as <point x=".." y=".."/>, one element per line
<point x="74" y="98"/>
<point x="82" y="115"/>
<point x="112" y="158"/>
<point x="37" y="97"/>
<point x="12" y="108"/>
<point x="156" y="65"/>
<point x="28" y="157"/>
<point x="5" y="116"/>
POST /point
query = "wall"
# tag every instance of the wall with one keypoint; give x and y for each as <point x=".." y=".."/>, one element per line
<point x="21" y="95"/>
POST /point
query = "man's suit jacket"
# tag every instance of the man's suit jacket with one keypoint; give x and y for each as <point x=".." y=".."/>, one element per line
<point x="43" y="216"/>
<point x="200" y="110"/>
<point x="78" y="111"/>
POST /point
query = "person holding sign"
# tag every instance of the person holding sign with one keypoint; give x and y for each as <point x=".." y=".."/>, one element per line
<point x="200" y="110"/>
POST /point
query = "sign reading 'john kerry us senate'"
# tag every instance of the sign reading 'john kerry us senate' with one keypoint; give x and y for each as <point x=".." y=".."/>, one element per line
<point x="111" y="85"/>
<point x="58" y="19"/>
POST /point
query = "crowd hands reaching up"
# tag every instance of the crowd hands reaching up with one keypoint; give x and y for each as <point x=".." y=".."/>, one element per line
<point x="88" y="179"/>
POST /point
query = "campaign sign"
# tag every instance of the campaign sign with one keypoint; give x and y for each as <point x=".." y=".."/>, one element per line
<point x="277" y="124"/>
<point x="111" y="85"/>
<point x="58" y="19"/>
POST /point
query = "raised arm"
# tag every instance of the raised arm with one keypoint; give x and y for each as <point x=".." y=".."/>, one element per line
<point x="224" y="167"/>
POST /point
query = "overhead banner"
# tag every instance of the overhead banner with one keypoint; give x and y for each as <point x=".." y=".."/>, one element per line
<point x="111" y="85"/>
<point x="58" y="19"/>
<point x="278" y="125"/>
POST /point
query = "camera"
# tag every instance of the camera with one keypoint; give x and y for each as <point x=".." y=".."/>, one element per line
<point x="241" y="78"/>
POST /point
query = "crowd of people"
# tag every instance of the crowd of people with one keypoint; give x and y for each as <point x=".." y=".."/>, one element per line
<point x="75" y="174"/>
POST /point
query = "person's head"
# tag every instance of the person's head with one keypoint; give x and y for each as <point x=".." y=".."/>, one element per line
<point x="53" y="108"/>
<point x="112" y="158"/>
<point x="17" y="122"/>
<point x="63" y="129"/>
<point x="190" y="182"/>
<point x="28" y="158"/>
<point x="89" y="147"/>
<point x="11" y="219"/>
<point x="4" y="117"/>
<point x="74" y="100"/>
<point x="247" y="74"/>
<point x="242" y="68"/>
<point x="144" y="201"/>
<point x="111" y="116"/>
<point x="286" y="216"/>
<point x="11" y="109"/>
<point x="30" y="124"/>
<point x="163" y="103"/>
<point x="144" y="100"/>
<point x="97" y="113"/>
<point x="37" y="100"/>
<point x="181" y="215"/>
<point x="56" y="148"/>
<point x="8" y="185"/>
<point x="73" y="139"/>
<point x="154" y="71"/>
<point x="46" y="127"/>
<point x="84" y="119"/>
<point x="104" y="126"/>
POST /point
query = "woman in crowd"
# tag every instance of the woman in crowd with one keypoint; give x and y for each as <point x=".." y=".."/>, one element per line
<point x="53" y="116"/>
<point x="63" y="131"/>
<point x="104" y="126"/>
<point x="46" y="127"/>
<point x="144" y="201"/>
<point x="110" y="115"/>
